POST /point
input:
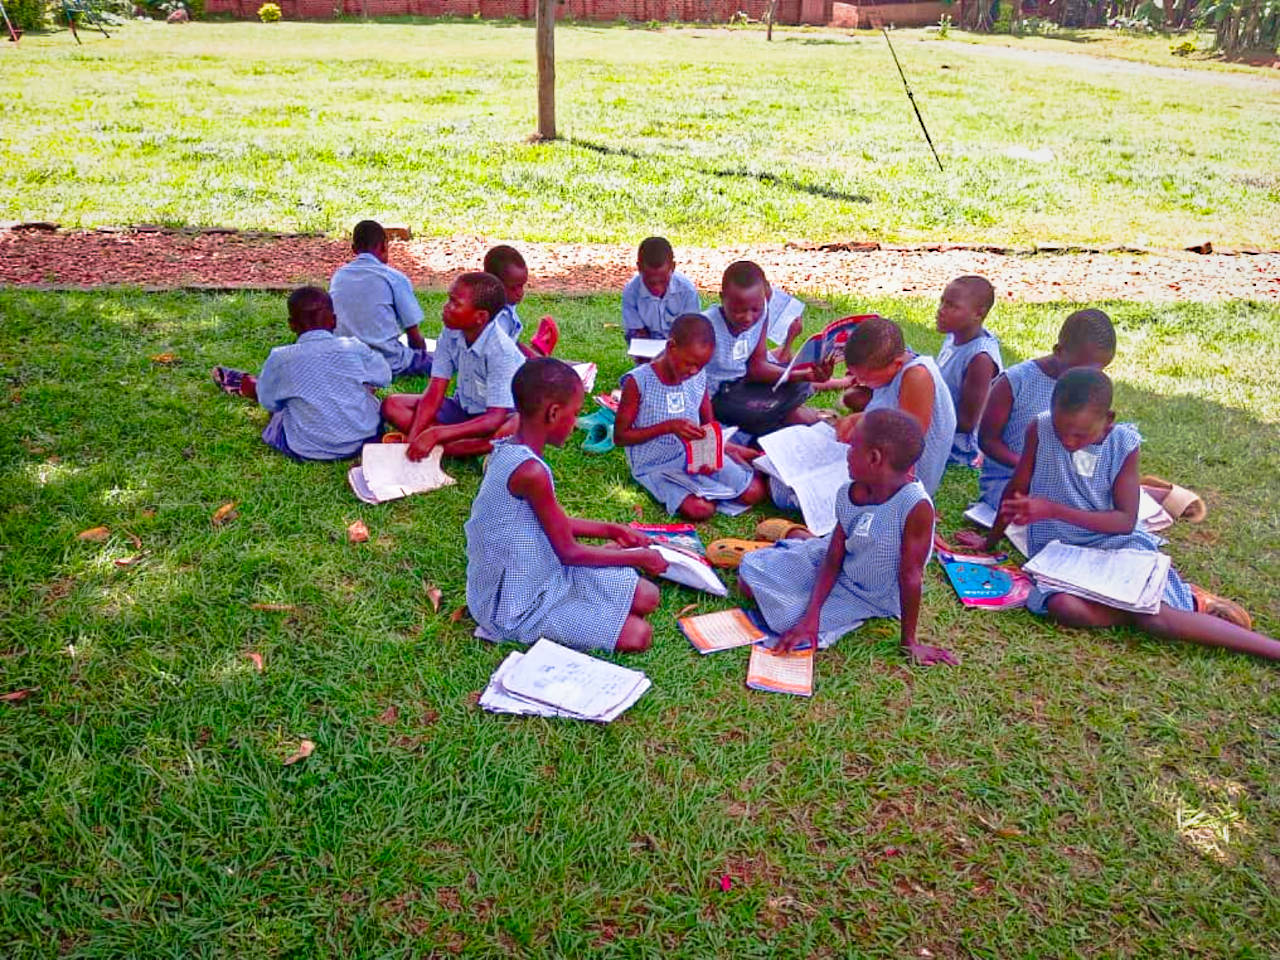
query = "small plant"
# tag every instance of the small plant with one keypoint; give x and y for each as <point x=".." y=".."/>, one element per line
<point x="944" y="25"/>
<point x="269" y="12"/>
<point x="1183" y="49"/>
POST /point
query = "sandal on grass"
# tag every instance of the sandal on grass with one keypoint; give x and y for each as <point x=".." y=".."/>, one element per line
<point x="599" y="438"/>
<point x="1178" y="502"/>
<point x="777" y="528"/>
<point x="728" y="553"/>
<point x="226" y="378"/>
<point x="1221" y="607"/>
<point x="394" y="436"/>
<point x="548" y="335"/>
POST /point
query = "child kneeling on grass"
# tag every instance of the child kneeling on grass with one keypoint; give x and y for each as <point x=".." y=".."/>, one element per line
<point x="665" y="402"/>
<point x="814" y="590"/>
<point x="1077" y="482"/>
<point x="527" y="574"/>
<point x="484" y="360"/>
<point x="318" y="390"/>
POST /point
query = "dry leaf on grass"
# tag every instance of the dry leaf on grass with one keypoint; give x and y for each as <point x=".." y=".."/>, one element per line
<point x="274" y="607"/>
<point x="435" y="596"/>
<point x="94" y="534"/>
<point x="255" y="659"/>
<point x="305" y="749"/>
<point x="358" y="532"/>
<point x="148" y="513"/>
<point x="224" y="514"/>
<point x="130" y="561"/>
<point x="457" y="615"/>
<point x="1008" y="833"/>
<point x="686" y="610"/>
<point x="611" y="326"/>
<point x="17" y="696"/>
<point x="134" y="539"/>
<point x="638" y="511"/>
<point x="389" y="715"/>
<point x="166" y="359"/>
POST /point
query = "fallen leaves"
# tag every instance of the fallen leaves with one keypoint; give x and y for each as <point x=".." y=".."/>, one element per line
<point x="224" y="514"/>
<point x="358" y="532"/>
<point x="166" y="359"/>
<point x="638" y="510"/>
<point x="130" y="561"/>
<point x="134" y="539"/>
<point x="389" y="715"/>
<point x="255" y="659"/>
<point x="305" y="749"/>
<point x="687" y="609"/>
<point x="457" y="615"/>
<point x="274" y="607"/>
<point x="1007" y="833"/>
<point x="435" y="596"/>
<point x="94" y="534"/>
<point x="17" y="696"/>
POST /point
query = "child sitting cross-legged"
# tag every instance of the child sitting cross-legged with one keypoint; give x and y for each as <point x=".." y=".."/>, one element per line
<point x="528" y="576"/>
<point x="969" y="359"/>
<point x="507" y="264"/>
<point x="665" y="402"/>
<point x="1077" y="482"/>
<point x="483" y="358"/>
<point x="814" y="590"/>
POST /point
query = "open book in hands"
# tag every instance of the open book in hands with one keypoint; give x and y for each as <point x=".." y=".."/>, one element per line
<point x="705" y="454"/>
<point x="823" y="344"/>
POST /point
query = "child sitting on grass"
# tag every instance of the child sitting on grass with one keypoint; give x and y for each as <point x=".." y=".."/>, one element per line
<point x="656" y="295"/>
<point x="665" y="402"/>
<point x="507" y="264"/>
<point x="318" y="390"/>
<point x="475" y="349"/>
<point x="898" y="378"/>
<point x="528" y="576"/>
<point x="1022" y="393"/>
<point x="1077" y="482"/>
<point x="813" y="590"/>
<point x="375" y="302"/>
<point x="969" y="359"/>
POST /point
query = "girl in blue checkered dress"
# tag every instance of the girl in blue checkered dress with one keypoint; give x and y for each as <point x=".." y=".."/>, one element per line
<point x="969" y="359"/>
<point x="664" y="403"/>
<point x="1087" y="339"/>
<point x="528" y="574"/>
<point x="816" y="589"/>
<point x="1077" y="482"/>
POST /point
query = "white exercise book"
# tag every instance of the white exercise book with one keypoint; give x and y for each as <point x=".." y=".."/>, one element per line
<point x="550" y="677"/>
<point x="814" y="464"/>
<point x="1126" y="579"/>
<point x="643" y="348"/>
<point x="386" y="473"/>
<point x="683" y="568"/>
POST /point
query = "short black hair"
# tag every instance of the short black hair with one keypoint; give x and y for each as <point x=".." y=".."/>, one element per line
<point x="1080" y="388"/>
<point x="690" y="329"/>
<point x="543" y="380"/>
<point x="984" y="294"/>
<point x="895" y="433"/>
<point x="742" y="275"/>
<point x="1088" y="328"/>
<point x="502" y="258"/>
<point x="874" y="343"/>
<point x="487" y="292"/>
<point x="306" y="304"/>
<point x="368" y="235"/>
<point x="656" y="252"/>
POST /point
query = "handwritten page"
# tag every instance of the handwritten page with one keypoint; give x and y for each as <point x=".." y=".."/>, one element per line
<point x="690" y="571"/>
<point x="781" y="672"/>
<point x="707" y="451"/>
<point x="1125" y="579"/>
<point x="574" y="682"/>
<point x="722" y="630"/>
<point x="814" y="464"/>
<point x="643" y="348"/>
<point x="389" y="474"/>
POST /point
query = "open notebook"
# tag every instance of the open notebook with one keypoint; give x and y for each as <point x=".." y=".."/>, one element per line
<point x="814" y="464"/>
<point x="781" y="672"/>
<point x="722" y="630"/>
<point x="1151" y="517"/>
<point x="690" y="571"/>
<point x="386" y="473"/>
<point x="642" y="348"/>
<point x="553" y="681"/>
<point x="706" y="451"/>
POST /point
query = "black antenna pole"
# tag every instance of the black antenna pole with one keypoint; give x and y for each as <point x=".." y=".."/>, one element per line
<point x="911" y="96"/>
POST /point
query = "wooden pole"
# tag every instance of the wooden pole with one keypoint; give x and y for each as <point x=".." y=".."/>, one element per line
<point x="546" y="56"/>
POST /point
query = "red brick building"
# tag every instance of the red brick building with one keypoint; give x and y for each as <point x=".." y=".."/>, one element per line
<point x="714" y="11"/>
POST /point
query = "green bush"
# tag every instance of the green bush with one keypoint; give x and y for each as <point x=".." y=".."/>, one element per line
<point x="269" y="13"/>
<point x="28" y="14"/>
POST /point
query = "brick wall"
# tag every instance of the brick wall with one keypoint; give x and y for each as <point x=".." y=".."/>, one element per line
<point x="716" y="11"/>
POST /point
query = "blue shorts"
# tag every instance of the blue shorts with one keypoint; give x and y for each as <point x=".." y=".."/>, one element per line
<point x="451" y="412"/>
<point x="273" y="436"/>
<point x="420" y="365"/>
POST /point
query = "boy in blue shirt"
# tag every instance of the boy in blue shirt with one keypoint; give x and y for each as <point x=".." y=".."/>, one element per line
<point x="374" y="302"/>
<point x="318" y="390"/>
<point x="507" y="264"/>
<point x="656" y="295"/>
<point x="475" y="349"/>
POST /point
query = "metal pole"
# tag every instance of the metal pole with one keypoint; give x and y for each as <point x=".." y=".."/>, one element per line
<point x="911" y="96"/>
<point x="13" y="34"/>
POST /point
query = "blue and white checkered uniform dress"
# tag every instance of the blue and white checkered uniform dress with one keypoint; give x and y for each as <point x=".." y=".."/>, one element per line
<point x="782" y="576"/>
<point x="659" y="464"/>
<point x="508" y="321"/>
<point x="1032" y="391"/>
<point x="517" y="588"/>
<point x="953" y="363"/>
<point x="942" y="420"/>
<point x="1084" y="480"/>
<point x="729" y="361"/>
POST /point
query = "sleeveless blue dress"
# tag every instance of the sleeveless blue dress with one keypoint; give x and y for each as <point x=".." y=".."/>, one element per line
<point x="942" y="420"/>
<point x="1032" y="392"/>
<point x="953" y="363"/>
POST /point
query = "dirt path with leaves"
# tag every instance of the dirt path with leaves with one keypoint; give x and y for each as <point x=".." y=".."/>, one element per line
<point x="229" y="260"/>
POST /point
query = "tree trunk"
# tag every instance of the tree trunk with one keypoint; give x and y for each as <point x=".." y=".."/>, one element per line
<point x="768" y="19"/>
<point x="546" y="55"/>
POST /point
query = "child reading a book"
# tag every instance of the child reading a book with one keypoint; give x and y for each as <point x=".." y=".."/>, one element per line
<point x="969" y="359"/>
<point x="507" y="264"/>
<point x="901" y="379"/>
<point x="813" y="590"/>
<point x="657" y="294"/>
<point x="1021" y="393"/>
<point x="664" y="406"/>
<point x="528" y="574"/>
<point x="1077" y="482"/>
<point x="484" y="360"/>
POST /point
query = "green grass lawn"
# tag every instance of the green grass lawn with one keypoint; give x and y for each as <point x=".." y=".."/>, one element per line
<point x="1058" y="794"/>
<point x="707" y="136"/>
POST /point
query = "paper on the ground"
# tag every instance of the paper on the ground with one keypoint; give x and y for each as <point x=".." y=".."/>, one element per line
<point x="722" y="630"/>
<point x="643" y="348"/>
<point x="783" y="308"/>
<point x="389" y="474"/>
<point x="497" y="699"/>
<point x="428" y="343"/>
<point x="1152" y="516"/>
<point x="355" y="478"/>
<point x="587" y="374"/>
<point x="574" y="682"/>
<point x="690" y="571"/>
<point x="706" y="451"/>
<point x="1127" y="579"/>
<point x="814" y="464"/>
<point x="781" y="672"/>
<point x="981" y="514"/>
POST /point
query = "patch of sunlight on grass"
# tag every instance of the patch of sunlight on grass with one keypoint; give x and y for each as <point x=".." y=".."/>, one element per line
<point x="1209" y="825"/>
<point x="49" y="471"/>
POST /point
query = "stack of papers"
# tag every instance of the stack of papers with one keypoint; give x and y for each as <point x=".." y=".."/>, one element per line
<point x="814" y="464"/>
<point x="644" y="349"/>
<point x="386" y="473"/>
<point x="1125" y="579"/>
<point x="1151" y="517"/>
<point x="781" y="672"/>
<point x="554" y="681"/>
<point x="690" y="571"/>
<point x="722" y="630"/>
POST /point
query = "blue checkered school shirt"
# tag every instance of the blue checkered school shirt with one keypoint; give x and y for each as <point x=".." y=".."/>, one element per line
<point x="484" y="368"/>
<point x="374" y="303"/>
<point x="318" y="386"/>
<point x="641" y="310"/>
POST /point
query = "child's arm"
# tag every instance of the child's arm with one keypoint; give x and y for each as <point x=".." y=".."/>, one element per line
<point x="424" y="415"/>
<point x="1122" y="518"/>
<point x="806" y="630"/>
<point x="377" y="372"/>
<point x="625" y="434"/>
<point x="994" y="419"/>
<point x="783" y="353"/>
<point x="916" y="396"/>
<point x="601" y="530"/>
<point x="267" y="388"/>
<point x="1017" y="486"/>
<point x="485" y="425"/>
<point x="407" y="308"/>
<point x="416" y="340"/>
<point x="973" y="392"/>
<point x="760" y="369"/>
<point x="532" y="483"/>
<point x="917" y="536"/>
<point x="632" y="324"/>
